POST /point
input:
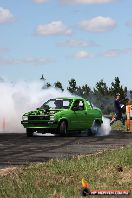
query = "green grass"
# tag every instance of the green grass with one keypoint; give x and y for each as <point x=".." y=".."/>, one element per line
<point x="119" y="126"/>
<point x="62" y="178"/>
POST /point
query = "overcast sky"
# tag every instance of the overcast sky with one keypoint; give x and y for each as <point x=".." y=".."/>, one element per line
<point x="87" y="40"/>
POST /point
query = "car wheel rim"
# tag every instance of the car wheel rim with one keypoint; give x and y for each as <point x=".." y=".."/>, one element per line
<point x="63" y="129"/>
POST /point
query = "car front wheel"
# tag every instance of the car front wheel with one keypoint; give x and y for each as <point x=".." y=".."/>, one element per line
<point x="63" y="128"/>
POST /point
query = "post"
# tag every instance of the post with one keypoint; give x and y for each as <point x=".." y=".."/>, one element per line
<point x="128" y="110"/>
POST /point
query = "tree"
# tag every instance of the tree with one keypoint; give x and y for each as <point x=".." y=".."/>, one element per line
<point x="102" y="98"/>
<point x="72" y="86"/>
<point x="86" y="90"/>
<point x="58" y="85"/>
<point x="101" y="88"/>
<point x="48" y="85"/>
<point x="116" y="87"/>
<point x="130" y="94"/>
<point x="79" y="91"/>
<point x="83" y="91"/>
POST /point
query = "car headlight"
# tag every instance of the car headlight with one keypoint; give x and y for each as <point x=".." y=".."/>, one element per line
<point x="24" y="117"/>
<point x="52" y="118"/>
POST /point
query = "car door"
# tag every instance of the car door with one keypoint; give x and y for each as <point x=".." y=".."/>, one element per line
<point x="79" y="116"/>
<point x="90" y="114"/>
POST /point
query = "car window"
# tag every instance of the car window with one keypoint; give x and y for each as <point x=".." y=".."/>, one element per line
<point x="58" y="104"/>
<point x="79" y="105"/>
<point x="66" y="104"/>
<point x="51" y="104"/>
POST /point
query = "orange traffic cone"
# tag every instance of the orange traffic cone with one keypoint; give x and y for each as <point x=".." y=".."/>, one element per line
<point x="128" y="109"/>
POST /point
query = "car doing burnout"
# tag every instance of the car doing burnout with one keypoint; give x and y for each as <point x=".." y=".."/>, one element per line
<point x="62" y="115"/>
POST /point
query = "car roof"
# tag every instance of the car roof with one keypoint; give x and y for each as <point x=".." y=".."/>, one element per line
<point x="68" y="98"/>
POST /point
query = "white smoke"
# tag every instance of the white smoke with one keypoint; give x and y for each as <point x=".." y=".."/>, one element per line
<point x="21" y="97"/>
<point x="18" y="98"/>
<point x="105" y="127"/>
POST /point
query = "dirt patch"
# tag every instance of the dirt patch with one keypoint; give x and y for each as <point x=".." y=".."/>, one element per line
<point x="7" y="171"/>
<point x="126" y="176"/>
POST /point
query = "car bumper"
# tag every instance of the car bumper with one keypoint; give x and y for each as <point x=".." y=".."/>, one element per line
<point x="37" y="124"/>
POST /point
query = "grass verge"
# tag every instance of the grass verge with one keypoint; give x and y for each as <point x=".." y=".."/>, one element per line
<point x="120" y="127"/>
<point x="62" y="178"/>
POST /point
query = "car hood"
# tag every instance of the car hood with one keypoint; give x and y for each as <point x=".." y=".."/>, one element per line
<point x="43" y="112"/>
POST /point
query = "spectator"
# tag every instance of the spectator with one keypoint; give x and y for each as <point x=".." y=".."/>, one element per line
<point x="118" y="110"/>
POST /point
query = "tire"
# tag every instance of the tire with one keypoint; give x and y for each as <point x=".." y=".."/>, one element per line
<point x="29" y="132"/>
<point x="89" y="132"/>
<point x="95" y="128"/>
<point x="63" y="128"/>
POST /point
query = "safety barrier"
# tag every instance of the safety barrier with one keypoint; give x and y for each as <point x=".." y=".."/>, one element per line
<point x="128" y="113"/>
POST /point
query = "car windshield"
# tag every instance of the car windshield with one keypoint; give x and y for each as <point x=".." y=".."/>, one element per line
<point x="58" y="103"/>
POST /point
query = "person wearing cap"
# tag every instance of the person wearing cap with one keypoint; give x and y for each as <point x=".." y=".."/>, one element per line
<point x="118" y="110"/>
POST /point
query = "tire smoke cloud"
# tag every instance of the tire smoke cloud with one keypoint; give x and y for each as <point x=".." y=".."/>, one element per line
<point x="18" y="98"/>
<point x="105" y="128"/>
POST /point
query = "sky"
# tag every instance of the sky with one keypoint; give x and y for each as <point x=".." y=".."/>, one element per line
<point x="88" y="40"/>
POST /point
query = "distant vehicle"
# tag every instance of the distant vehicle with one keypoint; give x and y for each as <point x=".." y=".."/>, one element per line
<point x="62" y="115"/>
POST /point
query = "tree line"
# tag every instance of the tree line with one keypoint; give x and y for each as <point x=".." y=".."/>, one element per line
<point x="101" y="95"/>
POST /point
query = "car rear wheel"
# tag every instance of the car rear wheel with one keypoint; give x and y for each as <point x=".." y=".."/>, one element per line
<point x="29" y="132"/>
<point x="95" y="128"/>
<point x="63" y="128"/>
<point x="89" y="132"/>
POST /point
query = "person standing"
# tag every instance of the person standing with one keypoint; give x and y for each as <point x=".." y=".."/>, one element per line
<point x="118" y="110"/>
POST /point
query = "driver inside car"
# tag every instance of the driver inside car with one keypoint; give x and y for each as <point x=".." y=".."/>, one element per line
<point x="76" y="104"/>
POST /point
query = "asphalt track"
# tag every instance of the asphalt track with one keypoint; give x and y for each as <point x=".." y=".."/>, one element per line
<point x="17" y="149"/>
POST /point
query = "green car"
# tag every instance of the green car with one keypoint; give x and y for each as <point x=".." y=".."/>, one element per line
<point x="62" y="115"/>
